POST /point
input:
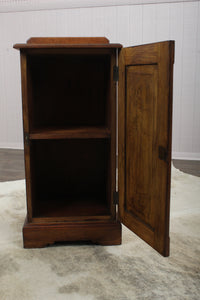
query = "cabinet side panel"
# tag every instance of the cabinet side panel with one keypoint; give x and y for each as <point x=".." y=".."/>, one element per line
<point x="24" y="82"/>
<point x="112" y="105"/>
<point x="121" y="133"/>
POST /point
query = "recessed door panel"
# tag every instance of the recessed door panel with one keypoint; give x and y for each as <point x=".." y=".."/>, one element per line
<point x="141" y="98"/>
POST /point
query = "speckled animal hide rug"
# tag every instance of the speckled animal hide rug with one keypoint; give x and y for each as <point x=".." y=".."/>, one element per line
<point x="132" y="270"/>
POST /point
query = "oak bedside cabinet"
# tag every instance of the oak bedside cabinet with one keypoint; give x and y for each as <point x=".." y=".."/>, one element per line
<point x="83" y="98"/>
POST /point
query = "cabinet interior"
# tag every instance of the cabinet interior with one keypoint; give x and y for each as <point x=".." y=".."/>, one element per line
<point x="68" y="90"/>
<point x="71" y="135"/>
<point x="70" y="177"/>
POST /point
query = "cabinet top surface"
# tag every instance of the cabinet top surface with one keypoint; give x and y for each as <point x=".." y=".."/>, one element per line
<point x="67" y="42"/>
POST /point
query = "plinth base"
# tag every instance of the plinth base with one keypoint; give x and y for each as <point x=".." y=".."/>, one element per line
<point x="38" y="235"/>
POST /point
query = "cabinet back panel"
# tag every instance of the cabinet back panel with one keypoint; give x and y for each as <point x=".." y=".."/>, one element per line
<point x="68" y="90"/>
<point x="70" y="177"/>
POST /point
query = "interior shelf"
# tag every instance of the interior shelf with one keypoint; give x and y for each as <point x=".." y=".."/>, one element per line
<point x="71" y="206"/>
<point x="71" y="133"/>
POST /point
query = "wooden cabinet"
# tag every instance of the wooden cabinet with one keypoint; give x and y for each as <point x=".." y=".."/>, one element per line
<point x="73" y="89"/>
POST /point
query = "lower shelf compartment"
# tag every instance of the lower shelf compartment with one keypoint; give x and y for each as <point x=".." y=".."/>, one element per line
<point x="71" y="207"/>
<point x="71" y="178"/>
<point x="37" y="235"/>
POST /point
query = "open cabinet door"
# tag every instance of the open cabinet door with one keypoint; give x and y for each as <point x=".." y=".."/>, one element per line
<point x="144" y="144"/>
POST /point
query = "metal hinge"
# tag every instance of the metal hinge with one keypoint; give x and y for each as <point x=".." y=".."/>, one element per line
<point x="116" y="197"/>
<point x="116" y="73"/>
<point x="26" y="138"/>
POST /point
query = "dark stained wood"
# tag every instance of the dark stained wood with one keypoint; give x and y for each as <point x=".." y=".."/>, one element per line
<point x="37" y="235"/>
<point x="25" y="108"/>
<point x="69" y="90"/>
<point x="141" y="101"/>
<point x="68" y="40"/>
<point x="58" y="218"/>
<point x="145" y="110"/>
<point x="75" y="207"/>
<point x="70" y="139"/>
<point x="69" y="107"/>
<point x="71" y="133"/>
<point x="111" y="121"/>
<point x="70" y="174"/>
<point x="167" y="63"/>
<point x="68" y="51"/>
<point x="139" y="56"/>
<point x="25" y="105"/>
<point x="63" y="46"/>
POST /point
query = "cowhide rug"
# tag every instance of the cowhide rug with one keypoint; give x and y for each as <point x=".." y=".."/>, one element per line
<point x="130" y="271"/>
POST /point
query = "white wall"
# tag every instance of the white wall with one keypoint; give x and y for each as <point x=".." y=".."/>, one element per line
<point x="129" y="25"/>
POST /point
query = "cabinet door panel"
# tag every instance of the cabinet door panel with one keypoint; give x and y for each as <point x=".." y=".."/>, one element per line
<point x="145" y="107"/>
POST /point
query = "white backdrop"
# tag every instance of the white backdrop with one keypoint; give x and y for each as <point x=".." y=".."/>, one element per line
<point x="129" y="25"/>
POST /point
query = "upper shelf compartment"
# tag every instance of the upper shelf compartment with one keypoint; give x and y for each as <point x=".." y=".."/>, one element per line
<point x="67" y="90"/>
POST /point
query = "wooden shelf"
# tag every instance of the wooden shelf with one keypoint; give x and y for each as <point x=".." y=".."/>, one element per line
<point x="71" y="133"/>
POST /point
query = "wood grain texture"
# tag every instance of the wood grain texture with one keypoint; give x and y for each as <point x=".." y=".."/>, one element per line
<point x="70" y="136"/>
<point x="112" y="125"/>
<point x="141" y="102"/>
<point x="57" y="46"/>
<point x="67" y="40"/>
<point x="27" y="159"/>
<point x="145" y="110"/>
<point x="94" y="218"/>
<point x="71" y="133"/>
<point x="37" y="235"/>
